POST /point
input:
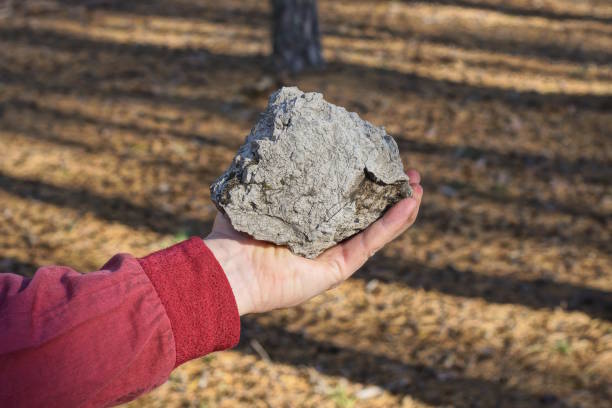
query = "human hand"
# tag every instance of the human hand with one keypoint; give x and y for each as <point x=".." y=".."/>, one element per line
<point x="264" y="276"/>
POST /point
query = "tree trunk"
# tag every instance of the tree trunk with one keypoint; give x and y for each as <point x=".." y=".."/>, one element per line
<point x="6" y="8"/>
<point x="295" y="35"/>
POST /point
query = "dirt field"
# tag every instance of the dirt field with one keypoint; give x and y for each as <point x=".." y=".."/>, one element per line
<point x="115" y="117"/>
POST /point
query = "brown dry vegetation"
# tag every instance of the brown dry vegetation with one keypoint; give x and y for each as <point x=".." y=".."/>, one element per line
<point x="116" y="116"/>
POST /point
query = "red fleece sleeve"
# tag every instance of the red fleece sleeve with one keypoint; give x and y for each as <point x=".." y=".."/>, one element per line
<point x="104" y="338"/>
<point x="198" y="298"/>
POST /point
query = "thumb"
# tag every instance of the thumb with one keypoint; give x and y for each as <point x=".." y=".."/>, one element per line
<point x="348" y="256"/>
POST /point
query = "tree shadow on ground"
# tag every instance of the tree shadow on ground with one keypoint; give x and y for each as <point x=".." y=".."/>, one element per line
<point x="116" y="208"/>
<point x="57" y="115"/>
<point x="382" y="79"/>
<point x="258" y="18"/>
<point x="226" y="13"/>
<point x="425" y="87"/>
<point x="90" y="83"/>
<point x="505" y="8"/>
<point x="500" y="197"/>
<point x="431" y="89"/>
<point x="429" y="384"/>
<point x="444" y="219"/>
<point x="470" y="41"/>
<point x="438" y="217"/>
<point x="544" y="165"/>
<point x="536" y="294"/>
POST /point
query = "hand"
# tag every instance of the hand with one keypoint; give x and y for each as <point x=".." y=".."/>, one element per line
<point x="265" y="276"/>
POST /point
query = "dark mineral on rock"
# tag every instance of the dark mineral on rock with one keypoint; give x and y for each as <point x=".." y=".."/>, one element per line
<point x="310" y="175"/>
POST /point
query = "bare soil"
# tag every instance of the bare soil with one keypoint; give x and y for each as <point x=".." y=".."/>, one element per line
<point x="116" y="116"/>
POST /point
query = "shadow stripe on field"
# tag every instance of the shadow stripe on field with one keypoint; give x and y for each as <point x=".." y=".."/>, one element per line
<point x="540" y="294"/>
<point x="89" y="77"/>
<point x="114" y="208"/>
<point x="260" y="19"/>
<point x="430" y="384"/>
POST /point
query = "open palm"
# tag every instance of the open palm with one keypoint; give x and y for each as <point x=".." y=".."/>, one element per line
<point x="265" y="276"/>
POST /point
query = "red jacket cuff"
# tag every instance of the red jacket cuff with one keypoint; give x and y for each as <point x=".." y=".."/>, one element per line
<point x="197" y="297"/>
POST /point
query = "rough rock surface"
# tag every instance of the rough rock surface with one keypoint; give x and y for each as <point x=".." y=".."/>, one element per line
<point x="310" y="174"/>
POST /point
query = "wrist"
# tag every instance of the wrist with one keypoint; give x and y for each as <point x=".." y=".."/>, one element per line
<point x="196" y="296"/>
<point x="231" y="258"/>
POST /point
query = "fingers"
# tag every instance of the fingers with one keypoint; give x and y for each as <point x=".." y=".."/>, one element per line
<point x="348" y="256"/>
<point x="418" y="196"/>
<point x="414" y="176"/>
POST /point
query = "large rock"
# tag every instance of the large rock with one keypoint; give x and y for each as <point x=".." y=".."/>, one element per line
<point x="310" y="174"/>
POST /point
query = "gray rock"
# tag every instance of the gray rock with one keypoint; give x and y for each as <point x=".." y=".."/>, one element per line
<point x="310" y="175"/>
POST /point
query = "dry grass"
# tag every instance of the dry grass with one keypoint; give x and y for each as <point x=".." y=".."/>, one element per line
<point x="114" y="119"/>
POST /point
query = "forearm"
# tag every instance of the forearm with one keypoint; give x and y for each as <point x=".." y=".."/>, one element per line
<point x="68" y="338"/>
<point x="103" y="338"/>
<point x="231" y="257"/>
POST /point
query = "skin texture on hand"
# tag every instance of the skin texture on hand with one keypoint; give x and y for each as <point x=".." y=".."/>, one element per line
<point x="265" y="276"/>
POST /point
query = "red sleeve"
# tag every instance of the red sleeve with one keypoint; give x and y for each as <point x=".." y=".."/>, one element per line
<point x="103" y="338"/>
